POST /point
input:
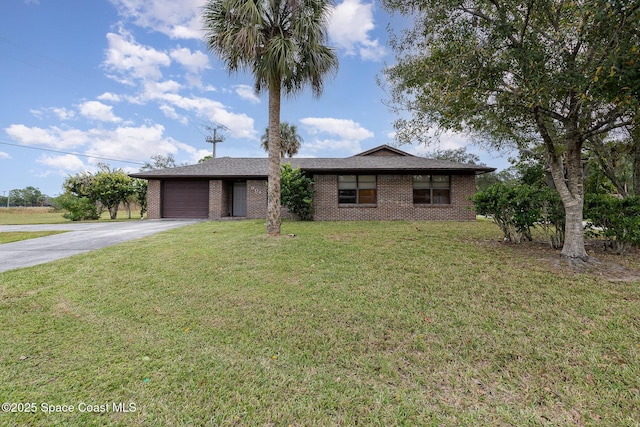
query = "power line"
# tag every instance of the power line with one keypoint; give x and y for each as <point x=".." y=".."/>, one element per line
<point x="74" y="154"/>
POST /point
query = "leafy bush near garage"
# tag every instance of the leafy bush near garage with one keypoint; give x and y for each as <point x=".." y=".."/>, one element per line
<point x="106" y="188"/>
<point x="297" y="192"/>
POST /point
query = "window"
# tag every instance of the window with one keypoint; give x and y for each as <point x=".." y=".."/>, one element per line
<point x="432" y="189"/>
<point x="357" y="189"/>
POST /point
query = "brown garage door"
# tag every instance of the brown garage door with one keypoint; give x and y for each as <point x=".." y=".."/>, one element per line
<point x="185" y="199"/>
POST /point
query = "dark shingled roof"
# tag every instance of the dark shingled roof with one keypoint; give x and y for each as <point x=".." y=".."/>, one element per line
<point x="247" y="168"/>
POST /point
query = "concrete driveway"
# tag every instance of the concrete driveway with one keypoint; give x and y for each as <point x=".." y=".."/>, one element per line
<point x="81" y="237"/>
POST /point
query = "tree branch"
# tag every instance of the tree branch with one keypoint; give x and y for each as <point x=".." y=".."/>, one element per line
<point x="597" y="144"/>
<point x="526" y="20"/>
<point x="602" y="127"/>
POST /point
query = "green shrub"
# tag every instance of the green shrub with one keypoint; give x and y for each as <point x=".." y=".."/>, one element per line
<point x="517" y="208"/>
<point x="615" y="218"/>
<point x="297" y="192"/>
<point x="509" y="209"/>
<point x="78" y="208"/>
<point x="140" y="194"/>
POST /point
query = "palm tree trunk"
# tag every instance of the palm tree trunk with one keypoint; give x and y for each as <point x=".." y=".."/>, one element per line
<point x="273" y="204"/>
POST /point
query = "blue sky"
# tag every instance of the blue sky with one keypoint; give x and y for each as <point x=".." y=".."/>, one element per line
<point x="84" y="82"/>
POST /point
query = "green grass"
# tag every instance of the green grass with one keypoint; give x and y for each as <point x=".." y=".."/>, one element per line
<point x="14" y="236"/>
<point x="367" y="323"/>
<point x="19" y="216"/>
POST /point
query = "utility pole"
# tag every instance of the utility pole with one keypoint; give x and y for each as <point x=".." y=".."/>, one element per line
<point x="215" y="138"/>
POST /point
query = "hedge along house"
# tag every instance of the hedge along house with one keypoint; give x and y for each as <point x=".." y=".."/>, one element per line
<point x="383" y="183"/>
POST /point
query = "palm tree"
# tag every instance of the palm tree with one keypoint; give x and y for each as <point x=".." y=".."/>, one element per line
<point x="289" y="140"/>
<point x="281" y="42"/>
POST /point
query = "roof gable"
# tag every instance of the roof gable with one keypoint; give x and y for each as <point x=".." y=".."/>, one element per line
<point x="384" y="150"/>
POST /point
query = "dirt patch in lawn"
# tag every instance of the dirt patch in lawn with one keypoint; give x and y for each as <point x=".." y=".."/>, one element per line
<point x="602" y="263"/>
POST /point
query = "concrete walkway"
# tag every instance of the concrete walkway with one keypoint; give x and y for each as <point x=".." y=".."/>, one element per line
<point x="79" y="238"/>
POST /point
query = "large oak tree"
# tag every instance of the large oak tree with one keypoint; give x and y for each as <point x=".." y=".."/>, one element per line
<point x="547" y="73"/>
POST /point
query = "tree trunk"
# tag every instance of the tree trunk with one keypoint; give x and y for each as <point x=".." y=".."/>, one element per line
<point x="570" y="186"/>
<point x="571" y="191"/>
<point x="573" y="248"/>
<point x="273" y="205"/>
<point x="635" y="138"/>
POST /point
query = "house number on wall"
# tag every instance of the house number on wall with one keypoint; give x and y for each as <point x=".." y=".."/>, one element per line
<point x="256" y="189"/>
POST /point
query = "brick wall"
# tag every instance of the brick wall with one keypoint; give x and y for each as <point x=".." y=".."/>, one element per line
<point x="216" y="199"/>
<point x="394" y="201"/>
<point x="153" y="199"/>
<point x="257" y="198"/>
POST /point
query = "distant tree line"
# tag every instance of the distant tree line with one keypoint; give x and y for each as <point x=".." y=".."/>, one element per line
<point x="28" y="196"/>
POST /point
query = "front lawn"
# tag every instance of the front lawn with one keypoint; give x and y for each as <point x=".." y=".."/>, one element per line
<point x="345" y="323"/>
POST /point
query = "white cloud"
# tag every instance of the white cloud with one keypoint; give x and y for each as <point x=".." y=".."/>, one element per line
<point x="108" y="96"/>
<point x="342" y="146"/>
<point x="343" y="128"/>
<point x="195" y="62"/>
<point x="53" y="137"/>
<point x="240" y="125"/>
<point x="30" y="136"/>
<point x="170" y="112"/>
<point x="247" y="93"/>
<point x="124" y="142"/>
<point x="60" y="113"/>
<point x="176" y="19"/>
<point x="349" y="27"/>
<point x="68" y="162"/>
<point x="130" y="143"/>
<point x="155" y="90"/>
<point x="96" y="110"/>
<point x="63" y="113"/>
<point x="37" y="113"/>
<point x="130" y="60"/>
<point x="4" y="155"/>
<point x="142" y="66"/>
<point x="348" y="135"/>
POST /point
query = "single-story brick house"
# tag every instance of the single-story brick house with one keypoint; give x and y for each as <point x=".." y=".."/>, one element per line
<point x="383" y="183"/>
